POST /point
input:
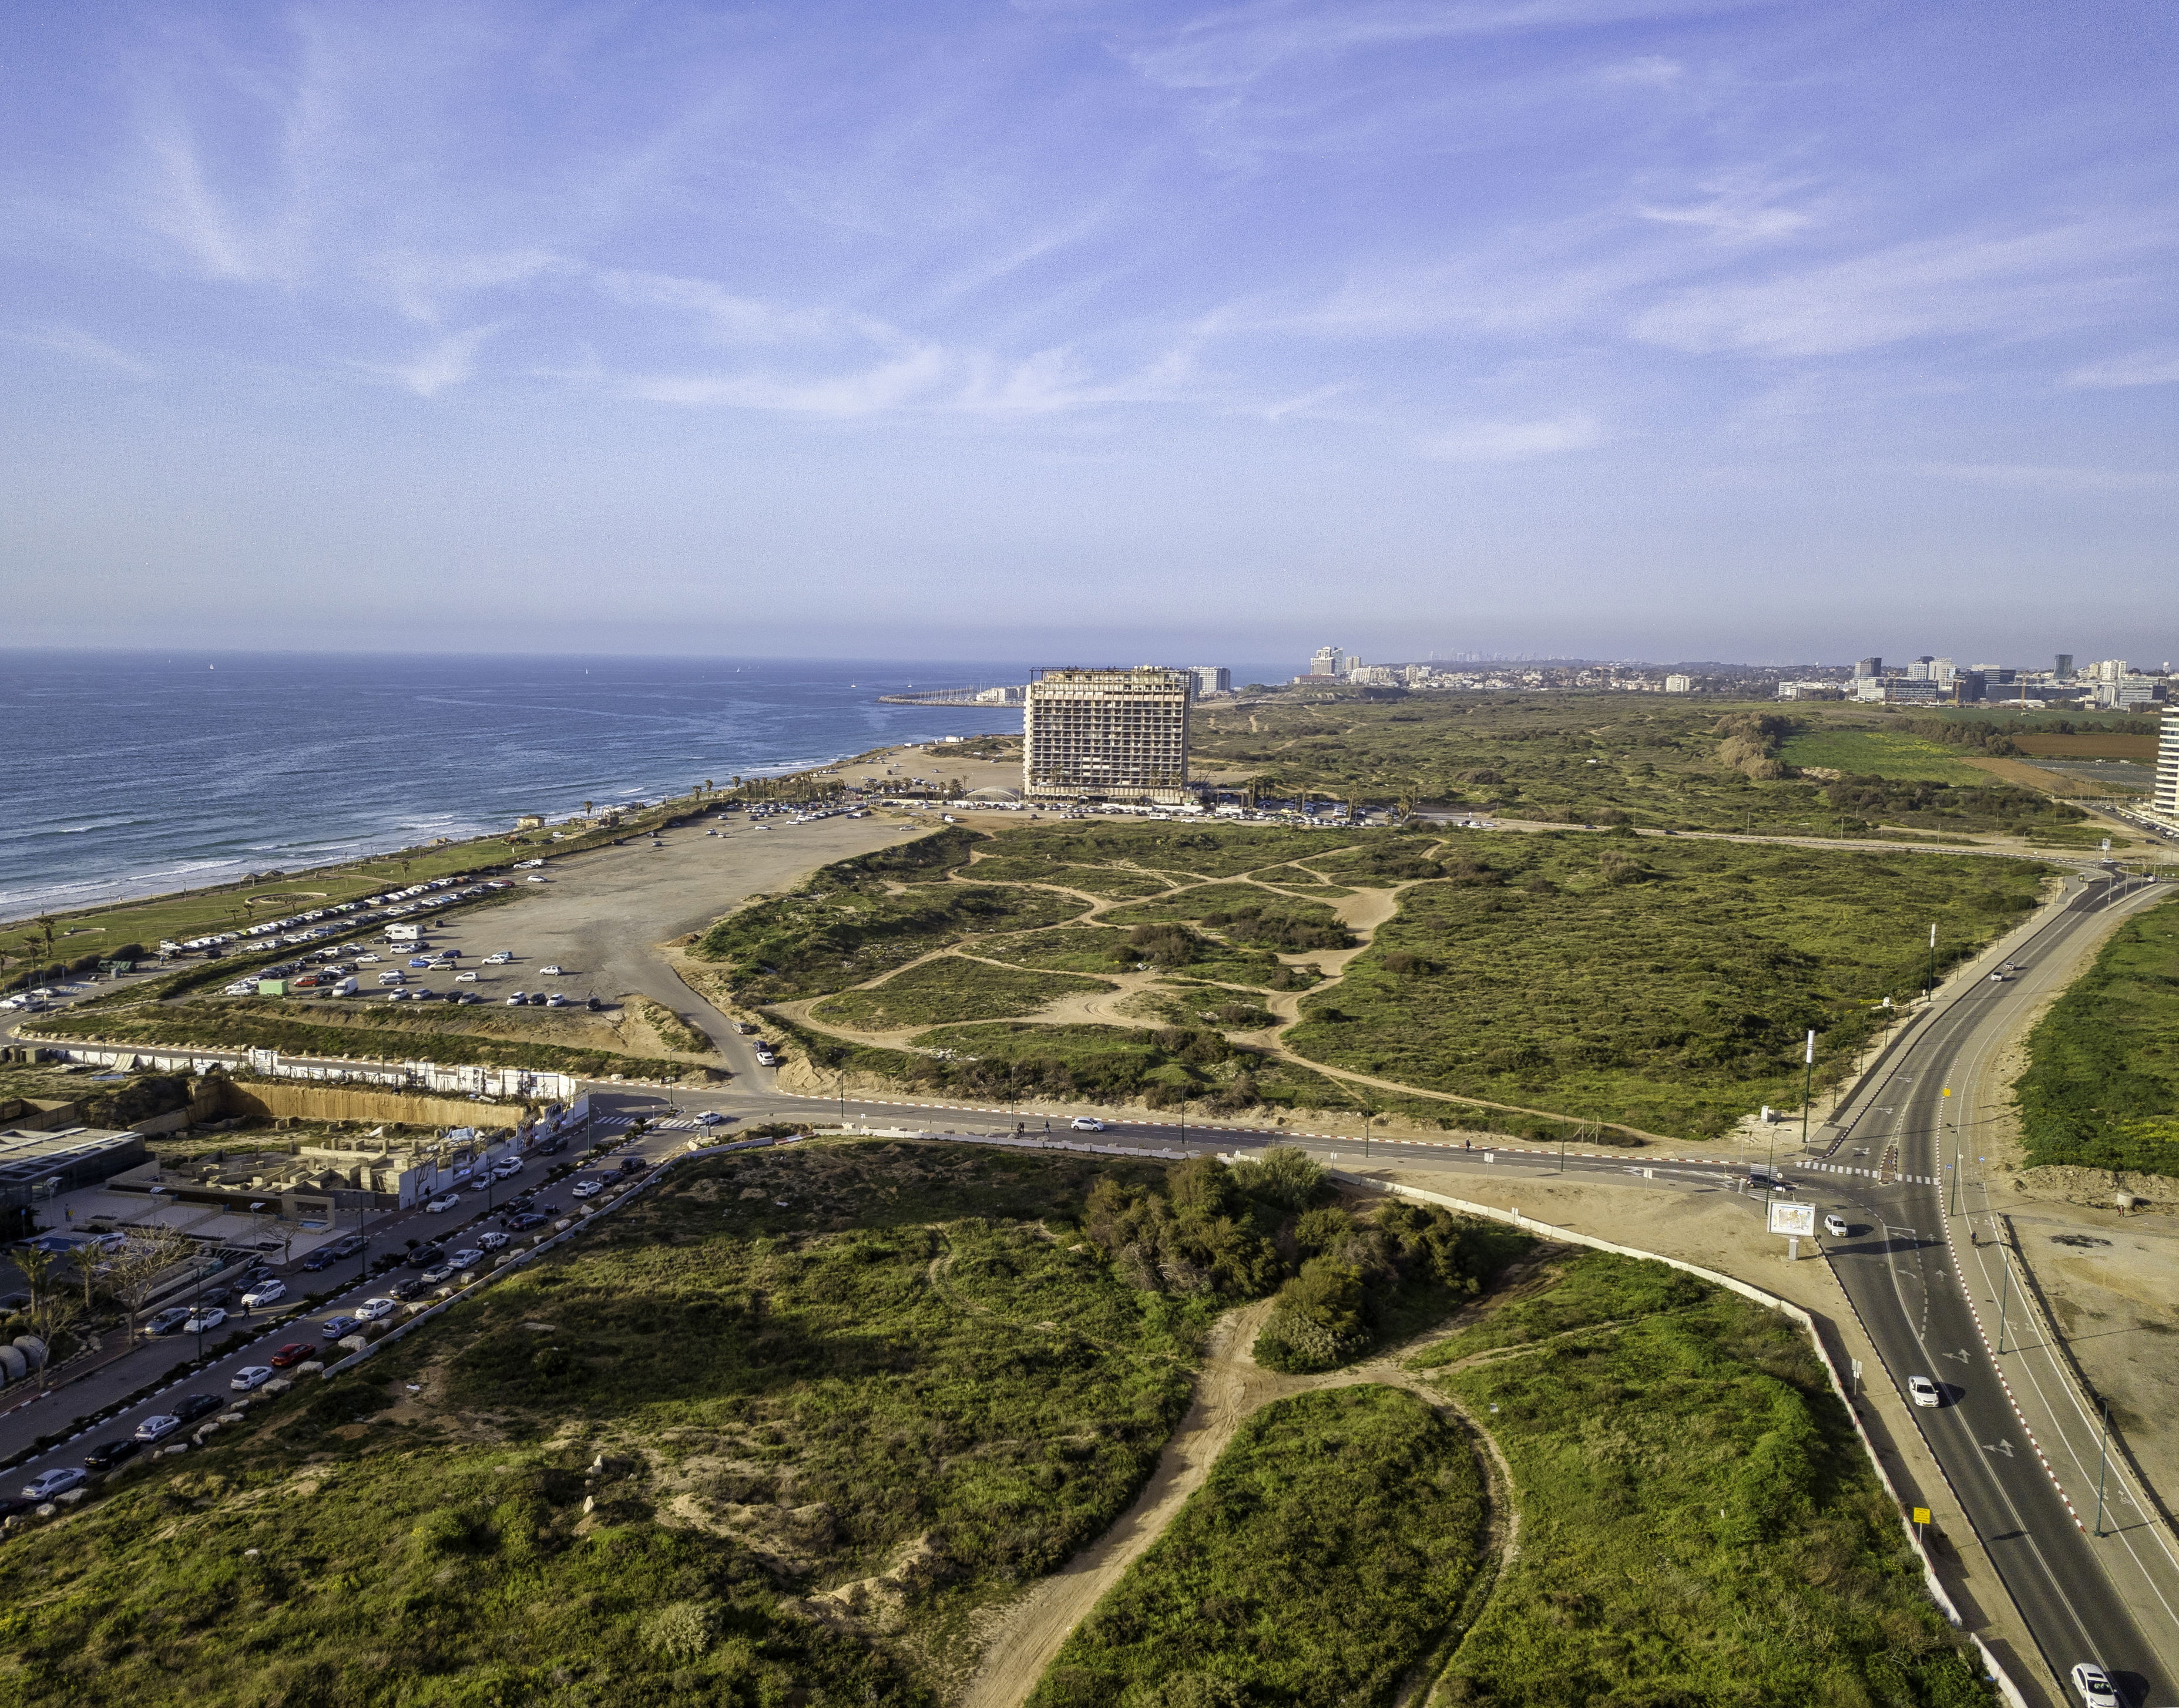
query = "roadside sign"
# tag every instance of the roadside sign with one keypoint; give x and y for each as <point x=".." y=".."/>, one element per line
<point x="1797" y="1220"/>
<point x="1921" y="1515"/>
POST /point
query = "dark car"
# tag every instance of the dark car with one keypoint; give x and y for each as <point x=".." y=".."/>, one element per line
<point x="191" y="1406"/>
<point x="215" y="1295"/>
<point x="406" y="1290"/>
<point x="348" y="1246"/>
<point x="323" y="1258"/>
<point x="167" y="1321"/>
<point x="525" y="1222"/>
<point x="294" y="1352"/>
<point x="423" y="1257"/>
<point x="108" y="1454"/>
<point x="550" y="1148"/>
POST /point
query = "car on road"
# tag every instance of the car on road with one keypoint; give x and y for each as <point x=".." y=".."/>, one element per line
<point x="589" y="1188"/>
<point x="263" y="1294"/>
<point x="438" y="1273"/>
<point x="334" y="1326"/>
<point x="553" y="971"/>
<point x="1836" y="1227"/>
<point x="765" y="1058"/>
<point x="469" y="977"/>
<point x="48" y="1483"/>
<point x="710" y="1118"/>
<point x="157" y="1427"/>
<point x="192" y="1406"/>
<point x="108" y="1454"/>
<point x="1924" y="1392"/>
<point x="491" y="1239"/>
<point x="203" y="1321"/>
<point x="167" y="1321"/>
<point x="214" y="1295"/>
<point x="499" y="957"/>
<point x="2092" y="1684"/>
<point x="555" y="1000"/>
<point x="323" y="1258"/>
<point x="506" y="1170"/>
<point x="525" y="1222"/>
<point x="294" y="1352"/>
<point x="372" y="1309"/>
<point x="467" y="1257"/>
<point x="251" y="1375"/>
<point x="424" y="1257"/>
<point x="1087" y="1124"/>
<point x="406" y="1290"/>
<point x="519" y="998"/>
<point x="445" y="1201"/>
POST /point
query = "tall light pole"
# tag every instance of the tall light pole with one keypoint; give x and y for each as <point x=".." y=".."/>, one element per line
<point x="2103" y="1460"/>
<point x="1944" y="1109"/>
<point x="2004" y="1290"/>
<point x="1807" y="1090"/>
<point x="1929" y="990"/>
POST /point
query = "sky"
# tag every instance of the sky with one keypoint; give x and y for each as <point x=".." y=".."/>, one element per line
<point x="1092" y="329"/>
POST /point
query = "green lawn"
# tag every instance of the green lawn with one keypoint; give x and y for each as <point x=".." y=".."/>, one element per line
<point x="1335" y="1540"/>
<point x="1668" y="985"/>
<point x="1697" y="1523"/>
<point x="950" y="989"/>
<point x="2103" y="1075"/>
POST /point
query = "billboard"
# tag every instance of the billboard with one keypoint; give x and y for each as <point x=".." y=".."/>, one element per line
<point x="1798" y="1220"/>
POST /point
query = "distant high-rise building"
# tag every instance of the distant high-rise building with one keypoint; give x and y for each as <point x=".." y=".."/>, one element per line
<point x="1870" y="667"/>
<point x="1211" y="679"/>
<point x="1108" y="735"/>
<point x="1679" y="685"/>
<point x="1329" y="661"/>
<point x="2064" y="672"/>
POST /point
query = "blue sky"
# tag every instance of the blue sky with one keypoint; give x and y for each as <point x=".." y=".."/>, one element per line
<point x="1548" y="326"/>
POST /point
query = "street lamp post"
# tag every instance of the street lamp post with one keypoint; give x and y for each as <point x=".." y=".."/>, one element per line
<point x="2004" y="1290"/>
<point x="2103" y="1460"/>
<point x="1807" y="1090"/>
<point x="1944" y="1107"/>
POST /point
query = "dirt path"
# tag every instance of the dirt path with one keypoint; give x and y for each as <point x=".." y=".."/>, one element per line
<point x="1234" y="1387"/>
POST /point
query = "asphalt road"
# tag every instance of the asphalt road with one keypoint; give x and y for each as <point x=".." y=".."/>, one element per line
<point x="2083" y="1599"/>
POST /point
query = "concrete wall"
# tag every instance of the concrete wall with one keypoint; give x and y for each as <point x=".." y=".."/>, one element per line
<point x="348" y="1104"/>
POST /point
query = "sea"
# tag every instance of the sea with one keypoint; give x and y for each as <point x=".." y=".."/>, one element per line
<point x="138" y="774"/>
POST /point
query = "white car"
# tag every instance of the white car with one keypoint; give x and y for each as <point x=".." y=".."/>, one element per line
<point x="710" y="1118"/>
<point x="1087" y="1124"/>
<point x="492" y="1240"/>
<point x="2091" y="1680"/>
<point x="499" y="957"/>
<point x="59" y="1481"/>
<point x="465" y="978"/>
<point x="372" y="1309"/>
<point x="551" y="972"/>
<point x="1922" y="1391"/>
<point x="204" y="1322"/>
<point x="366" y="960"/>
<point x="445" y="1201"/>
<point x="589" y="1188"/>
<point x="251" y="1375"/>
<point x="533" y="879"/>
<point x="157" y="1428"/>
<point x="1834" y="1226"/>
<point x="264" y="1293"/>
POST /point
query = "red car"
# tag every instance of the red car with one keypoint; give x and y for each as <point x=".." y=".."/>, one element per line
<point x="294" y="1352"/>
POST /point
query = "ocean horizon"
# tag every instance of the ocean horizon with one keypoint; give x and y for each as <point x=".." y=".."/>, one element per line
<point x="134" y="774"/>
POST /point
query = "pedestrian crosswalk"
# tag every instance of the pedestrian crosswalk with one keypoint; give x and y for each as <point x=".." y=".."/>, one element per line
<point x="1877" y="1174"/>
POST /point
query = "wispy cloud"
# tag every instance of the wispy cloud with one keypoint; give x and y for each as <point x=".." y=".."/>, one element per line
<point x="2159" y="366"/>
<point x="73" y="341"/>
<point x="1514" y="441"/>
<point x="2027" y="283"/>
<point x="2047" y="478"/>
<point x="451" y="361"/>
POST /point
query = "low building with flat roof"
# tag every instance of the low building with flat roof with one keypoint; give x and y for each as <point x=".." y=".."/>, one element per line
<point x="62" y="1159"/>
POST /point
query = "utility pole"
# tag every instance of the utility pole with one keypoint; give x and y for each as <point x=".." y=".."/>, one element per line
<point x="2103" y="1459"/>
<point x="1807" y="1091"/>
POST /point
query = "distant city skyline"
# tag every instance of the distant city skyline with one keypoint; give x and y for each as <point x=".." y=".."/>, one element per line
<point x="1591" y="327"/>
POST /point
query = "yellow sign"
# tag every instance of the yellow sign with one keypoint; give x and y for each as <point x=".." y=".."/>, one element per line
<point x="1921" y="1515"/>
<point x="1948" y="1091"/>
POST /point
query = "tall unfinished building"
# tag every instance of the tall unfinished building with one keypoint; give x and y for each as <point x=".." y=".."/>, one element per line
<point x="1108" y="734"/>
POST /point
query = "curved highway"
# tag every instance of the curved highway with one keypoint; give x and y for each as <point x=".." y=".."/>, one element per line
<point x="2113" y="1600"/>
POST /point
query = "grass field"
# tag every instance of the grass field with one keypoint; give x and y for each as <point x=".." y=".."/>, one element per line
<point x="1588" y="758"/>
<point x="1668" y="985"/>
<point x="1879" y="753"/>
<point x="933" y="993"/>
<point x="1335" y="1538"/>
<point x="1697" y="1523"/>
<point x="859" y="1391"/>
<point x="2103" y="1075"/>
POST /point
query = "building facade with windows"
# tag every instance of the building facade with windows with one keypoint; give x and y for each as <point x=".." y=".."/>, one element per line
<point x="1108" y="734"/>
<point x="2166" y="797"/>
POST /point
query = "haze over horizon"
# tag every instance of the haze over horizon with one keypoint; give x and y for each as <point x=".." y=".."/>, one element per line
<point x="1680" y="330"/>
